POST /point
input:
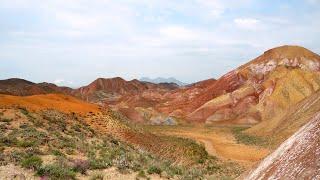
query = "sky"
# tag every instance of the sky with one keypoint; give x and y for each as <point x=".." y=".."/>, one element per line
<point x="73" y="42"/>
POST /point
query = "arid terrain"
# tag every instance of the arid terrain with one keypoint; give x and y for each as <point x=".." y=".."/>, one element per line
<point x="258" y="121"/>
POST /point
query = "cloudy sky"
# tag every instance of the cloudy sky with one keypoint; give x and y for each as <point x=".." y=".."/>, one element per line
<point x="72" y="42"/>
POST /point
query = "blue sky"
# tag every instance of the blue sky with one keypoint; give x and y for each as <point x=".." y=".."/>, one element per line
<point x="72" y="42"/>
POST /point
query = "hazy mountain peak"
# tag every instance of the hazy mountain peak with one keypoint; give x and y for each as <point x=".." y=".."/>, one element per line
<point x="163" y="80"/>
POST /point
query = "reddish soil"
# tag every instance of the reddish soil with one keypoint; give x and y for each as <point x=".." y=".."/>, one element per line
<point x="59" y="102"/>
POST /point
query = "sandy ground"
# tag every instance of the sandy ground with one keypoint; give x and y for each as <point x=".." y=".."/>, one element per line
<point x="12" y="172"/>
<point x="219" y="142"/>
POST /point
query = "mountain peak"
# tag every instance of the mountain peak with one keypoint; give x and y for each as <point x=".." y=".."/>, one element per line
<point x="287" y="55"/>
<point x="159" y="80"/>
<point x="16" y="80"/>
<point x="289" y="51"/>
<point x="110" y="79"/>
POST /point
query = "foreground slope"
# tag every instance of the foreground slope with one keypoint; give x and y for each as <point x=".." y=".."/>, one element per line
<point x="296" y="158"/>
<point x="67" y="142"/>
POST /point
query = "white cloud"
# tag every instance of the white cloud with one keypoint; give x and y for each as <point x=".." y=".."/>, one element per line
<point x="216" y="13"/>
<point x="246" y="23"/>
<point x="78" y="21"/>
<point x="58" y="81"/>
<point x="178" y="32"/>
<point x="147" y="30"/>
<point x="313" y="1"/>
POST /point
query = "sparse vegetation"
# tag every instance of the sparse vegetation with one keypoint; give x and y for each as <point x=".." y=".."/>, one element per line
<point x="56" y="171"/>
<point x="97" y="176"/>
<point x="64" y="135"/>
<point x="32" y="162"/>
<point x="247" y="139"/>
<point x="154" y="170"/>
<point x="141" y="174"/>
<point x="6" y="120"/>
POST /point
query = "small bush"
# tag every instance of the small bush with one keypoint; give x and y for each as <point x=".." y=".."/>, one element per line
<point x="70" y="151"/>
<point x="122" y="163"/>
<point x="99" y="164"/>
<point x="76" y="128"/>
<point x="55" y="171"/>
<point x="141" y="174"/>
<point x="16" y="156"/>
<point x="24" y="126"/>
<point x="32" y="162"/>
<point x="6" y="120"/>
<point x="193" y="174"/>
<point x="24" y="111"/>
<point x="8" y="141"/>
<point x="58" y="153"/>
<point x="173" y="170"/>
<point x="30" y="151"/>
<point x="154" y="170"/>
<point x="3" y="128"/>
<point x="25" y="143"/>
<point x="80" y="166"/>
<point x="97" y="176"/>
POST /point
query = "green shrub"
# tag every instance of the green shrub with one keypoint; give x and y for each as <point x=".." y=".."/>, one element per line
<point x="193" y="174"/>
<point x="122" y="162"/>
<point x="6" y="120"/>
<point x="3" y="128"/>
<point x="141" y="174"/>
<point x="26" y="143"/>
<point x="97" y="176"/>
<point x="8" y="141"/>
<point x="24" y="111"/>
<point x="154" y="170"/>
<point x="32" y="162"/>
<point x="30" y="151"/>
<point x="55" y="171"/>
<point x="16" y="156"/>
<point x="70" y="151"/>
<point x="213" y="168"/>
<point x="58" y="153"/>
<point x="24" y="126"/>
<point x="173" y="170"/>
<point x="80" y="166"/>
<point x="99" y="163"/>
<point x="76" y="128"/>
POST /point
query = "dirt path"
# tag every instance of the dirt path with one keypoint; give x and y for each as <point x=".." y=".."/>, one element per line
<point x="219" y="142"/>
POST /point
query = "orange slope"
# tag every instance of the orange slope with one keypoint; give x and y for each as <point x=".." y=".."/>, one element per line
<point x="58" y="102"/>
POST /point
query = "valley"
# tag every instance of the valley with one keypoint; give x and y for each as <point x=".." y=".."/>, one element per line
<point x="219" y="141"/>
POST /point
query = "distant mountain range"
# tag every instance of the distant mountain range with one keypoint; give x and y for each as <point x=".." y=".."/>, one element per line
<point x="163" y="80"/>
